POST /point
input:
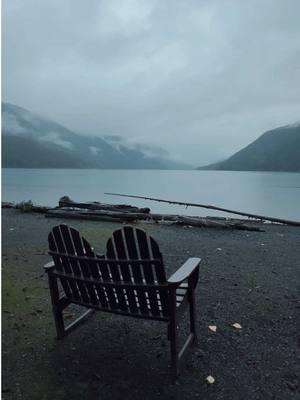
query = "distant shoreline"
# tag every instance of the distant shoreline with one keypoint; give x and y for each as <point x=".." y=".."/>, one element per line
<point x="200" y="169"/>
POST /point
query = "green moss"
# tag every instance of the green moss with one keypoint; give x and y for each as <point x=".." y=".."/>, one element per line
<point x="16" y="296"/>
<point x="99" y="232"/>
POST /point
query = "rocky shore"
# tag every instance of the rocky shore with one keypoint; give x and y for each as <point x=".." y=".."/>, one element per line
<point x="248" y="278"/>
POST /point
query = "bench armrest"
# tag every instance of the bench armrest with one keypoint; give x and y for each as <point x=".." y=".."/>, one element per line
<point x="185" y="271"/>
<point x="50" y="265"/>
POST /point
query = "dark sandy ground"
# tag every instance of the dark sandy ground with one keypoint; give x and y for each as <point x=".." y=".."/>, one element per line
<point x="251" y="278"/>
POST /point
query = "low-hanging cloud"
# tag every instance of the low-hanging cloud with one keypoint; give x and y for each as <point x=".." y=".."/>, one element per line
<point x="199" y="78"/>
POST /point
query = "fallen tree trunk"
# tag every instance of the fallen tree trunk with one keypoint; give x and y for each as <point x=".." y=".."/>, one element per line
<point x="65" y="201"/>
<point x="122" y="216"/>
<point x="7" y="204"/>
<point x="205" y="222"/>
<point x="209" y="223"/>
<point x="26" y="206"/>
<point x="255" y="216"/>
<point x="69" y="215"/>
<point x="125" y="214"/>
<point x="115" y="216"/>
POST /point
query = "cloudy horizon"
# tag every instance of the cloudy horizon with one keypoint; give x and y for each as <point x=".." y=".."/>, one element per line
<point x="200" y="79"/>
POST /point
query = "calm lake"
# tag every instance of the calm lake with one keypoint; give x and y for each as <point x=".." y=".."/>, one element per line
<point x="272" y="194"/>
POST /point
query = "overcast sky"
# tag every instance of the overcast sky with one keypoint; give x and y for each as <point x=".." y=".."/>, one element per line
<point x="200" y="78"/>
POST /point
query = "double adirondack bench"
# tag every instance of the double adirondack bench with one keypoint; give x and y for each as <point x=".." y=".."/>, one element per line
<point x="130" y="280"/>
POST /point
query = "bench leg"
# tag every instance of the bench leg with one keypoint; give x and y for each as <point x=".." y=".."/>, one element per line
<point x="193" y="321"/>
<point x="177" y="354"/>
<point x="174" y="347"/>
<point x="58" y="305"/>
<point x="59" y="322"/>
<point x="172" y="334"/>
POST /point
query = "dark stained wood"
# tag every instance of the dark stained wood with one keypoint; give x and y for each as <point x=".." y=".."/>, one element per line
<point x="114" y="248"/>
<point x="112" y="284"/>
<point x="145" y="250"/>
<point x="121" y="252"/>
<point x="96" y="276"/>
<point x="57" y="311"/>
<point x="173" y="332"/>
<point x="65" y="263"/>
<point x="120" y="312"/>
<point x="129" y="280"/>
<point x="74" y="264"/>
<point x="160" y="274"/>
<point x="53" y="247"/>
<point x="136" y="269"/>
<point x="138" y="261"/>
<point x="110" y="291"/>
<point x="82" y="247"/>
<point x="131" y="243"/>
<point x="193" y="316"/>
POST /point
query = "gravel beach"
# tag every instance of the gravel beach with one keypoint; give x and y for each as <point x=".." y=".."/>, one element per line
<point x="249" y="278"/>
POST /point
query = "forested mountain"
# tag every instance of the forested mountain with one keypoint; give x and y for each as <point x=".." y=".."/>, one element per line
<point x="30" y="141"/>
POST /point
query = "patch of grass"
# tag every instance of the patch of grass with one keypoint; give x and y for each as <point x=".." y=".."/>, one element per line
<point x="99" y="232"/>
<point x="26" y="313"/>
<point x="20" y="297"/>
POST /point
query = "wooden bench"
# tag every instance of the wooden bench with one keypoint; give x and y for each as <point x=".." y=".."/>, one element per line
<point x="129" y="280"/>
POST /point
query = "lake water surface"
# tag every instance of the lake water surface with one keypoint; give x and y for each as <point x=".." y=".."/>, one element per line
<point x="268" y="193"/>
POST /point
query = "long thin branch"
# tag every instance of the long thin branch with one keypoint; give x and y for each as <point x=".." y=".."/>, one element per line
<point x="261" y="217"/>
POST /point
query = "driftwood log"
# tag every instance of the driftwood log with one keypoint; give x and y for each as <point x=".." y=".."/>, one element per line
<point x="26" y="206"/>
<point x="117" y="214"/>
<point x="6" y="204"/>
<point x="127" y="214"/>
<point x="97" y="215"/>
<point x="65" y="201"/>
<point x="227" y="210"/>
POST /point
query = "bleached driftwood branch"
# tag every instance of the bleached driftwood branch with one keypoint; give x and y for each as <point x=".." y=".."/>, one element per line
<point x="227" y="210"/>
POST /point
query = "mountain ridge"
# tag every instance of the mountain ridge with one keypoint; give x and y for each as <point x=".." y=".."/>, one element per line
<point x="42" y="136"/>
<point x="276" y="150"/>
